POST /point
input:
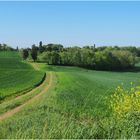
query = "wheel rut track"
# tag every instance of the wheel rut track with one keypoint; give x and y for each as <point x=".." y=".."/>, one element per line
<point x="19" y="108"/>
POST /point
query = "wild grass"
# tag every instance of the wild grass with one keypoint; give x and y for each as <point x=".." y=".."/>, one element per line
<point x="76" y="106"/>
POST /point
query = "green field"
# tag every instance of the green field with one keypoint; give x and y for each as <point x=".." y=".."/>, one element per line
<point x="71" y="108"/>
<point x="16" y="76"/>
<point x="69" y="70"/>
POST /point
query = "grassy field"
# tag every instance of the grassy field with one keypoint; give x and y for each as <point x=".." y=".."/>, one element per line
<point x="72" y="107"/>
<point x="15" y="75"/>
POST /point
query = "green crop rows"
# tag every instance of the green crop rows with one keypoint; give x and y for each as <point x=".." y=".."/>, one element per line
<point x="15" y="75"/>
<point x="72" y="106"/>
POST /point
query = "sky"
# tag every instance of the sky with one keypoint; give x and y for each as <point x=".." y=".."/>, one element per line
<point x="70" y="23"/>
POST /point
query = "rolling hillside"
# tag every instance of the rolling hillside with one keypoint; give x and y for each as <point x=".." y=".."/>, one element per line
<point x="72" y="108"/>
<point x="16" y="76"/>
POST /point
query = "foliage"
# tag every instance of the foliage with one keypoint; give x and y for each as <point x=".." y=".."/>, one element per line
<point x="25" y="54"/>
<point x="34" y="52"/>
<point x="124" y="101"/>
<point x="51" y="57"/>
<point x="124" y="121"/>
<point x="53" y="47"/>
<point x="41" y="47"/>
<point x="114" y="60"/>
<point x="5" y="47"/>
<point x="101" y="58"/>
<point x="107" y="59"/>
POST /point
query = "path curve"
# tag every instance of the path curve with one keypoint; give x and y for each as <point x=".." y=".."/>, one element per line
<point x="19" y="108"/>
<point x="34" y="65"/>
<point x="28" y="92"/>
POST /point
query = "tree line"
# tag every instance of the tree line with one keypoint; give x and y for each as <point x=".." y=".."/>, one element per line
<point x="5" y="47"/>
<point x="107" y="59"/>
<point x="91" y="57"/>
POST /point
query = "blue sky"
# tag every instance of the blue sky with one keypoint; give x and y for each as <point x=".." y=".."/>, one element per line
<point x="70" y="23"/>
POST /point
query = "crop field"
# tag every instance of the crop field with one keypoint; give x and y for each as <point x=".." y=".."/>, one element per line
<point x="71" y="108"/>
<point x="15" y="75"/>
<point x="69" y="70"/>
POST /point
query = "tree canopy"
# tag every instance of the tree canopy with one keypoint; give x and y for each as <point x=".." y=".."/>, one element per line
<point x="5" y="47"/>
<point x="91" y="57"/>
<point x="102" y="58"/>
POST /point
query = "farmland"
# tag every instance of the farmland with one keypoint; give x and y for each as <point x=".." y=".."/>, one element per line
<point x="69" y="70"/>
<point x="72" y="107"/>
<point x="16" y="76"/>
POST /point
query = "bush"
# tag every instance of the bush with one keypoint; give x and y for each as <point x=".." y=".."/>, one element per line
<point x="124" y="121"/>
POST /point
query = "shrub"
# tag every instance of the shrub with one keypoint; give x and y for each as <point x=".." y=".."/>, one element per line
<point x="124" y="101"/>
<point x="125" y="114"/>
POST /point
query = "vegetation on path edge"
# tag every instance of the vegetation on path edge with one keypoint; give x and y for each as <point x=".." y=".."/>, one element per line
<point x="46" y="84"/>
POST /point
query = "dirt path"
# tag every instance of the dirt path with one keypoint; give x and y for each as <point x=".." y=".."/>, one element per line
<point x="28" y="92"/>
<point x="34" y="65"/>
<point x="19" y="108"/>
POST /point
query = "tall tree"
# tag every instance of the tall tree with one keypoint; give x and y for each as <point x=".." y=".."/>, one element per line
<point x="34" y="52"/>
<point x="40" y="44"/>
<point x="25" y="54"/>
<point x="17" y="49"/>
<point x="41" y="47"/>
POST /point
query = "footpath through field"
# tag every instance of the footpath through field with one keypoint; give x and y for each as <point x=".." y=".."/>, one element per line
<point x="19" y="108"/>
<point x="34" y="65"/>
